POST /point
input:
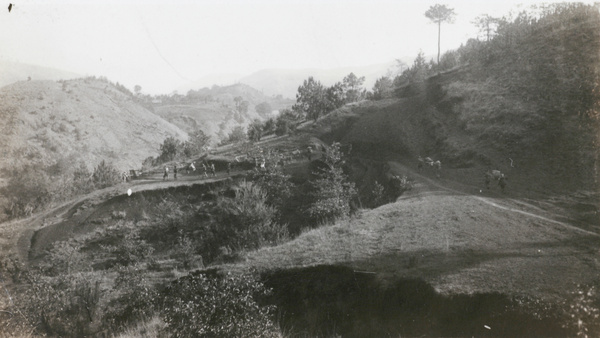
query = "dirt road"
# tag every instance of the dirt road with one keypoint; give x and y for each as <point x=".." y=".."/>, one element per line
<point x="458" y="241"/>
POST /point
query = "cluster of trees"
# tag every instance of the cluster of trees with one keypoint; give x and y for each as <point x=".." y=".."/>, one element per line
<point x="285" y="123"/>
<point x="172" y="148"/>
<point x="515" y="37"/>
<point x="314" y="100"/>
<point x="33" y="188"/>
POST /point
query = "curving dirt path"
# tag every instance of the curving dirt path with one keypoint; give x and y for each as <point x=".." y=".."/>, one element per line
<point x="501" y="203"/>
<point x="18" y="234"/>
<point x="459" y="241"/>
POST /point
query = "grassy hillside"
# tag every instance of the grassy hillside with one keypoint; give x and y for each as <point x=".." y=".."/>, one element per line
<point x="525" y="103"/>
<point x="213" y="110"/>
<point x="90" y="120"/>
<point x="52" y="130"/>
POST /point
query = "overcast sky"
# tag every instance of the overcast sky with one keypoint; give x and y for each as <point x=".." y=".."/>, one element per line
<point x="162" y="45"/>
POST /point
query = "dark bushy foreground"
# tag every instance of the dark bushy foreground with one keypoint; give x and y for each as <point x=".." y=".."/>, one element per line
<point x="329" y="301"/>
<point x="206" y="304"/>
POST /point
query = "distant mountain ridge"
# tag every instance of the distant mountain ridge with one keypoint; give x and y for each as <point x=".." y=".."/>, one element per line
<point x="11" y="72"/>
<point x="285" y="82"/>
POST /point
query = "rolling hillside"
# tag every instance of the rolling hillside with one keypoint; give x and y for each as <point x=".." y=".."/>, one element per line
<point x="446" y="256"/>
<point x="81" y="120"/>
<point x="213" y="109"/>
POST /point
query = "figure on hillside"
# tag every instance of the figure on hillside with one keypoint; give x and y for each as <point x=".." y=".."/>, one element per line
<point x="495" y="175"/>
<point x="166" y="173"/>
<point x="263" y="165"/>
<point x="175" y="172"/>
<point x="228" y="168"/>
<point x="212" y="169"/>
<point x="502" y="182"/>
<point x="438" y="166"/>
<point x="309" y="151"/>
<point x="429" y="161"/>
<point x="204" y="169"/>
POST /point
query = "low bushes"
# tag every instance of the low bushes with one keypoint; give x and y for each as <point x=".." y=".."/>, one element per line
<point x="201" y="305"/>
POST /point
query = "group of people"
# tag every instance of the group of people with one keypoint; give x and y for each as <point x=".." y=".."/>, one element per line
<point x="496" y="175"/>
<point x="206" y="169"/>
<point x="166" y="173"/>
<point x="489" y="176"/>
<point x="431" y="163"/>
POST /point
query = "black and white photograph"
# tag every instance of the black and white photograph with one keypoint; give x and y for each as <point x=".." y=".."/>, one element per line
<point x="299" y="168"/>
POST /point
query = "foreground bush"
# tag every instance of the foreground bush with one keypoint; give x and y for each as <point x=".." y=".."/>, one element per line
<point x="333" y="192"/>
<point x="218" y="306"/>
<point x="247" y="221"/>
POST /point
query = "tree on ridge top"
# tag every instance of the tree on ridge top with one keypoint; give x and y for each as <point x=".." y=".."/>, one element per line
<point x="438" y="14"/>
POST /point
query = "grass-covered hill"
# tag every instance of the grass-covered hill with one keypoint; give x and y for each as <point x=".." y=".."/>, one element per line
<point x="525" y="102"/>
<point x="214" y="111"/>
<point x="85" y="119"/>
<point x="55" y="133"/>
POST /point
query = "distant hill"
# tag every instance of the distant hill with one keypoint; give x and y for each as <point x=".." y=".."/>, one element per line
<point x="11" y="72"/>
<point x="89" y="120"/>
<point x="285" y="82"/>
<point x="213" y="110"/>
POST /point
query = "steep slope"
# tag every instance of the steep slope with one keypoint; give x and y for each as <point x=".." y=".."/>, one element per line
<point x="80" y="120"/>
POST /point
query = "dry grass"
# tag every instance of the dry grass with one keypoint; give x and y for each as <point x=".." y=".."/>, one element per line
<point x="151" y="328"/>
<point x="458" y="243"/>
<point x="84" y="119"/>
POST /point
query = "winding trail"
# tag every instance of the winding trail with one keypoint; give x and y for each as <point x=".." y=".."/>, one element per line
<point x="398" y="167"/>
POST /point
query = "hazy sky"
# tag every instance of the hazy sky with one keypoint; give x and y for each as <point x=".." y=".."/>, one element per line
<point x="162" y="45"/>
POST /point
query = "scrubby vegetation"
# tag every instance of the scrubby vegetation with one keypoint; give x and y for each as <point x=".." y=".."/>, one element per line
<point x="31" y="189"/>
<point x="133" y="263"/>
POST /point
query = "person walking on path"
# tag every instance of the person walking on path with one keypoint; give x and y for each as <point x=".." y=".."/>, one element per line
<point x="175" y="172"/>
<point x="228" y="168"/>
<point x="166" y="174"/>
<point x="204" y="169"/>
<point x="212" y="169"/>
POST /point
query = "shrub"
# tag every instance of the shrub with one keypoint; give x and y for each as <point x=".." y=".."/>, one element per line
<point x="246" y="221"/>
<point x="66" y="257"/>
<point x="63" y="306"/>
<point x="135" y="298"/>
<point x="275" y="184"/>
<point x="27" y="191"/>
<point x="105" y="175"/>
<point x="131" y="249"/>
<point x="332" y="191"/>
<point x="82" y="180"/>
<point x="148" y="163"/>
<point x="169" y="149"/>
<point x="255" y="130"/>
<point x="220" y="306"/>
<point x="235" y="136"/>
